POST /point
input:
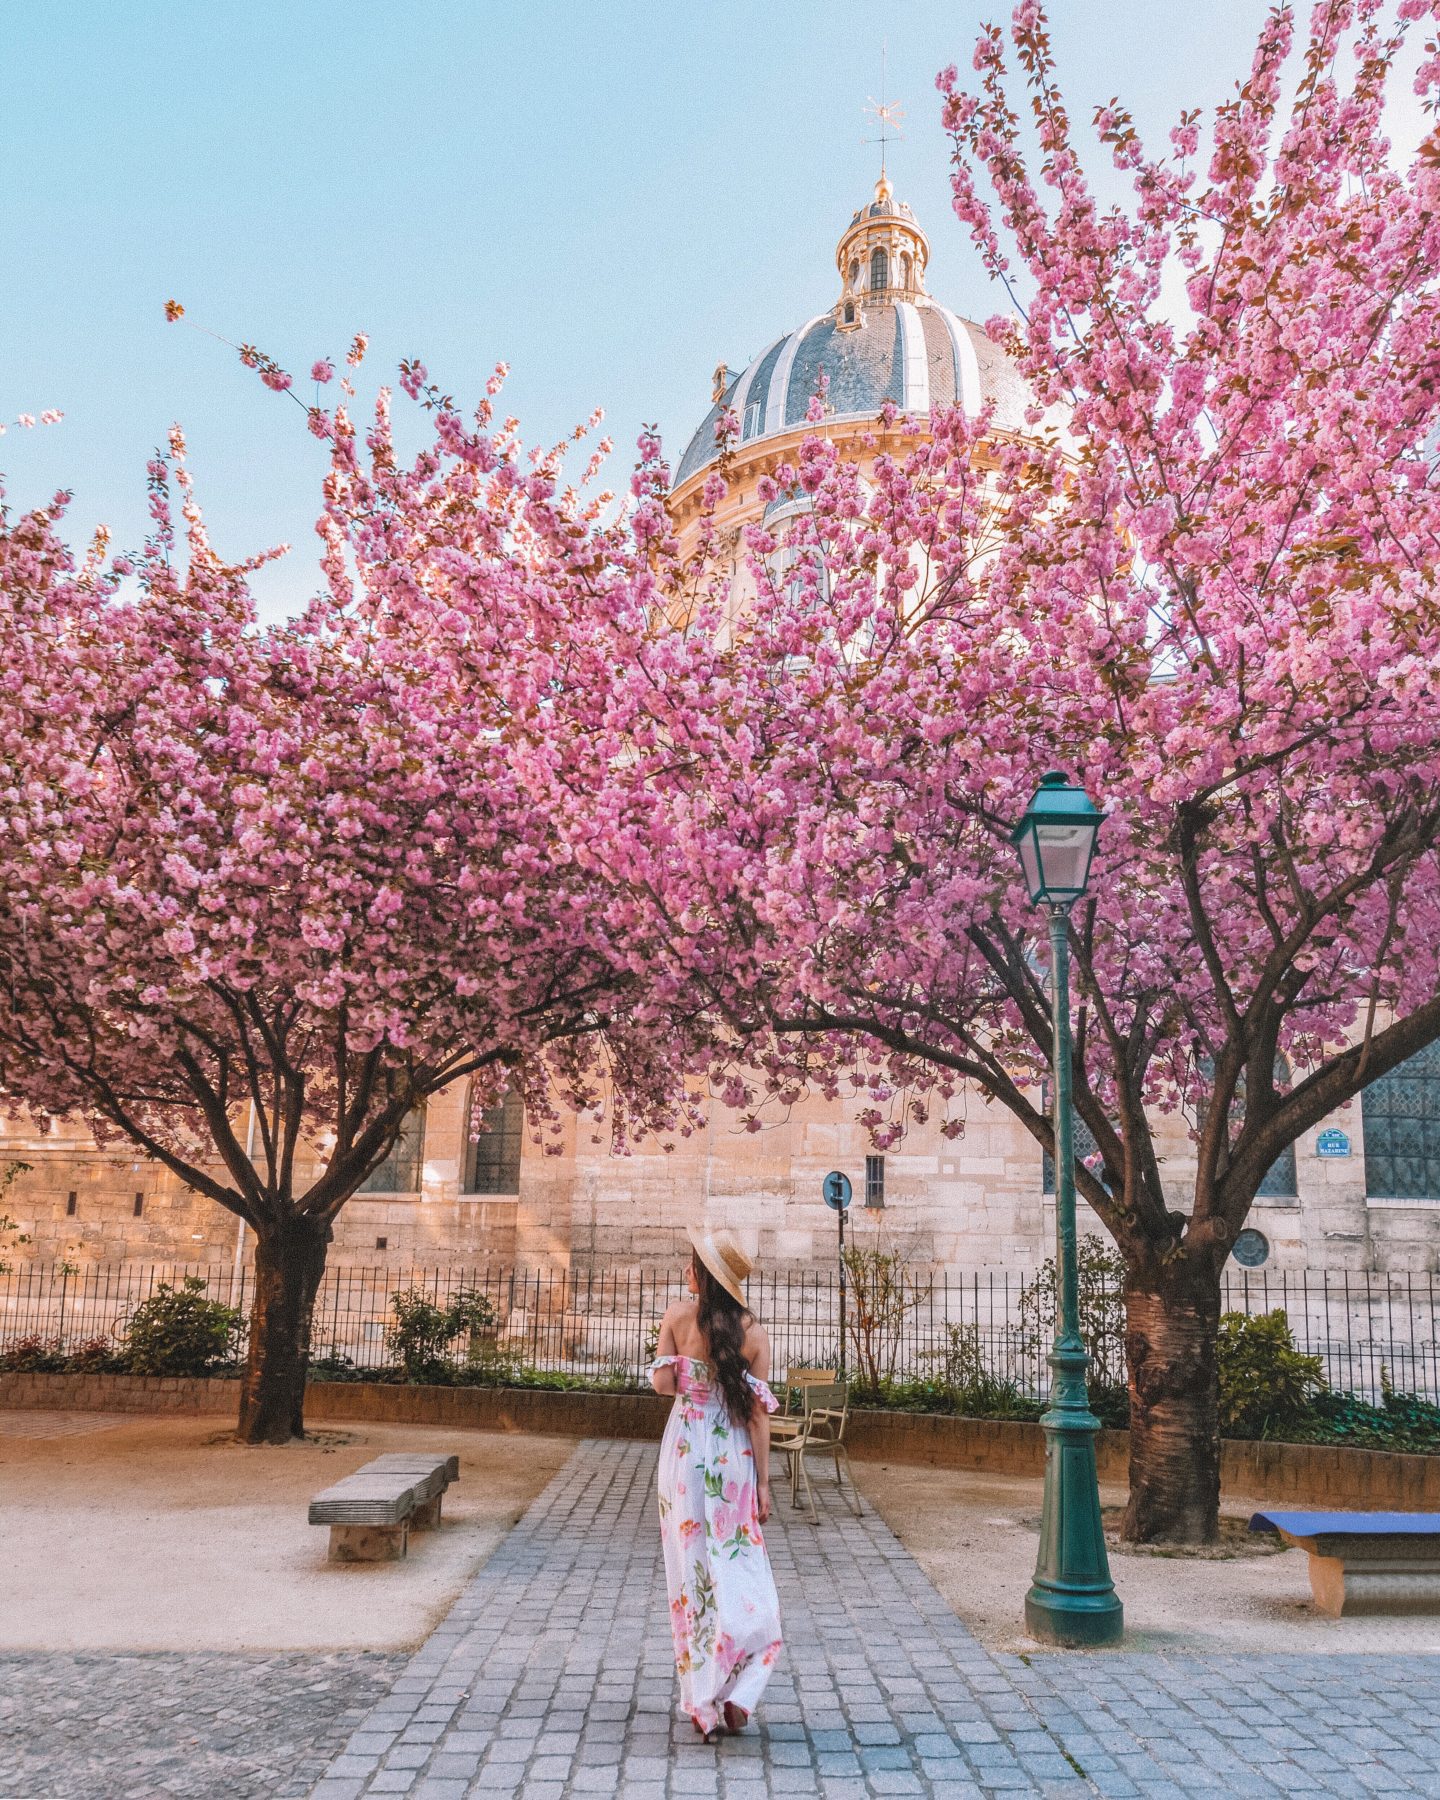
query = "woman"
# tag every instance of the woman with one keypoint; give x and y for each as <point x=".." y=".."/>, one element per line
<point x="715" y="1489"/>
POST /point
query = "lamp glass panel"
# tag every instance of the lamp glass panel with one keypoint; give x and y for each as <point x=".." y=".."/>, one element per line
<point x="1064" y="852"/>
<point x="1030" y="863"/>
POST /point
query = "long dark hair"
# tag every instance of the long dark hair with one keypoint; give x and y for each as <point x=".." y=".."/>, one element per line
<point x="721" y="1319"/>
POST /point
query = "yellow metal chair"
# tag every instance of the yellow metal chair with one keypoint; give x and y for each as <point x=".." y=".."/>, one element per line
<point x="789" y="1422"/>
<point x="822" y="1432"/>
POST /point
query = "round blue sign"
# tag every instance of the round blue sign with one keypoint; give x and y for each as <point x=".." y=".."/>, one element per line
<point x="836" y="1189"/>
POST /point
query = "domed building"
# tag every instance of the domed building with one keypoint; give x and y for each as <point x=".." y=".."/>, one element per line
<point x="883" y="339"/>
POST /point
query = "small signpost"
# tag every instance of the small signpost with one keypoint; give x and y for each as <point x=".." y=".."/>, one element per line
<point x="1332" y="1142"/>
<point x="837" y="1191"/>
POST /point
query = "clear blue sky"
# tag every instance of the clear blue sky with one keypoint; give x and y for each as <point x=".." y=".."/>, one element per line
<point x="610" y="196"/>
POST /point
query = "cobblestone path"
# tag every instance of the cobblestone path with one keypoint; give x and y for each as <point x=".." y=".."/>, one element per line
<point x="196" y="1726"/>
<point x="552" y="1677"/>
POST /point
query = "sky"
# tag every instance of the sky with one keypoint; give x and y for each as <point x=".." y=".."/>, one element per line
<point x="610" y="196"/>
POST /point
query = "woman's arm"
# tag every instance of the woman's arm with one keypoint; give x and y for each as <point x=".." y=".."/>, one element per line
<point x="758" y="1347"/>
<point x="663" y="1380"/>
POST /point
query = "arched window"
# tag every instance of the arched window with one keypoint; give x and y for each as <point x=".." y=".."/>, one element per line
<point x="1401" y="1116"/>
<point x="492" y="1159"/>
<point x="905" y="271"/>
<point x="849" y="314"/>
<point x="400" y="1171"/>
<point x="879" y="269"/>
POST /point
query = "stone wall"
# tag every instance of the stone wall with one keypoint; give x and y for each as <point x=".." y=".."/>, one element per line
<point x="1307" y="1474"/>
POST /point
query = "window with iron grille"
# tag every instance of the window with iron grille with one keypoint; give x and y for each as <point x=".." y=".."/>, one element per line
<point x="1085" y="1147"/>
<point x="492" y="1160"/>
<point x="879" y="269"/>
<point x="400" y="1171"/>
<point x="1401" y="1116"/>
<point x="874" y="1180"/>
<point x="1279" y="1180"/>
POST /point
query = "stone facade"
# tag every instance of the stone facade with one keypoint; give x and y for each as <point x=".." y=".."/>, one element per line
<point x="973" y="1202"/>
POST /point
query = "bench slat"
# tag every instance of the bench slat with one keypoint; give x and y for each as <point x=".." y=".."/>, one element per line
<point x="1348" y="1524"/>
<point x="386" y="1491"/>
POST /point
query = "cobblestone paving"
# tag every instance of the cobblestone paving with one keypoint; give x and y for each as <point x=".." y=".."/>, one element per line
<point x="552" y="1677"/>
<point x="195" y="1726"/>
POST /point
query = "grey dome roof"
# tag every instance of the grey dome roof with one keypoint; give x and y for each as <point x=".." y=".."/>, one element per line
<point x="918" y="355"/>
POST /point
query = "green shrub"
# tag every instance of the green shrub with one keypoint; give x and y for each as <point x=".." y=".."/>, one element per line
<point x="1102" y="1310"/>
<point x="964" y="1384"/>
<point x="1266" y="1384"/>
<point x="96" y="1356"/>
<point x="424" y="1332"/>
<point x="332" y="1364"/>
<point x="177" y="1331"/>
<point x="1402" y="1422"/>
<point x="32" y="1355"/>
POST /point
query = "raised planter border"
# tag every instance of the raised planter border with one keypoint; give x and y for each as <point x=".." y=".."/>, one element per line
<point x="1312" y="1474"/>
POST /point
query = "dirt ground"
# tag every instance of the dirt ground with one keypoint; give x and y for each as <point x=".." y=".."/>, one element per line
<point x="976" y="1537"/>
<point x="162" y="1534"/>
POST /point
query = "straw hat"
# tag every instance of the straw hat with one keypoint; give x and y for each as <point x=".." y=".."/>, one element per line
<point x="721" y="1254"/>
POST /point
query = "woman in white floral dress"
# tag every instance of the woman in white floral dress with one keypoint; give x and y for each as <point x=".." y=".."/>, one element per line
<point x="714" y="1356"/>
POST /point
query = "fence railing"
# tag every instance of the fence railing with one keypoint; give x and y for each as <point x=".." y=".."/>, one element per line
<point x="1364" y="1326"/>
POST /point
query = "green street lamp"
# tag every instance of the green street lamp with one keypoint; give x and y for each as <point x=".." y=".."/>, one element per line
<point x="1073" y="1600"/>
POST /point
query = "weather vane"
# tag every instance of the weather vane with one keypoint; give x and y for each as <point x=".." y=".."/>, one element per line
<point x="888" y="113"/>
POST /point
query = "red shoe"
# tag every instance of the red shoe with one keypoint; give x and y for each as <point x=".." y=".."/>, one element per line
<point x="736" y="1717"/>
<point x="712" y="1736"/>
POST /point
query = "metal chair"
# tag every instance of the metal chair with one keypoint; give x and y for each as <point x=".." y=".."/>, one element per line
<point x="789" y="1422"/>
<point x="827" y="1411"/>
<point x="796" y="1381"/>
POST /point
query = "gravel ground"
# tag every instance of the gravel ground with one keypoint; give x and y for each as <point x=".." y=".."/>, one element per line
<point x="120" y="1536"/>
<point x="201" y="1727"/>
<point x="976" y="1537"/>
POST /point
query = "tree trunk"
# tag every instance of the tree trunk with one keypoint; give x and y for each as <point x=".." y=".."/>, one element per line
<point x="1172" y="1318"/>
<point x="289" y="1261"/>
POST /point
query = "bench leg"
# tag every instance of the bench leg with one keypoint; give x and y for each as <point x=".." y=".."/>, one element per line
<point x="426" y="1516"/>
<point x="368" y="1543"/>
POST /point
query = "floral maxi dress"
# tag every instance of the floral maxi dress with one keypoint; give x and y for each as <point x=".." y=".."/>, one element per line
<point x="724" y="1611"/>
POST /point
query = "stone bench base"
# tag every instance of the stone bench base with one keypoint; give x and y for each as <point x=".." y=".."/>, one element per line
<point x="382" y="1543"/>
<point x="369" y="1543"/>
<point x="1377" y="1562"/>
<point x="1372" y="1575"/>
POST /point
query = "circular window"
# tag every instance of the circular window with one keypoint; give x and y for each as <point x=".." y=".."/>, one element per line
<point x="1251" y="1248"/>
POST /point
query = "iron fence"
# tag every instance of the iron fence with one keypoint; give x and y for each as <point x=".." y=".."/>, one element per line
<point x="601" y="1323"/>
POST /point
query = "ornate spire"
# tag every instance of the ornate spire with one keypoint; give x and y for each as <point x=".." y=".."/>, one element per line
<point x="881" y="257"/>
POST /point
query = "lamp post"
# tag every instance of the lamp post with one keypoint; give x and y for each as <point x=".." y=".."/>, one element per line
<point x="1072" y="1600"/>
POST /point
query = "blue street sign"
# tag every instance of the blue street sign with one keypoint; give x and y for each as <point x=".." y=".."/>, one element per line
<point x="1332" y="1142"/>
<point x="836" y="1189"/>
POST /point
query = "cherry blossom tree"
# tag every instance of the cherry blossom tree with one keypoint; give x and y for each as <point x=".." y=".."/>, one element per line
<point x="1202" y="583"/>
<point x="269" y="886"/>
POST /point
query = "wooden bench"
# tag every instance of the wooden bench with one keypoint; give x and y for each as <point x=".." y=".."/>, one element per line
<point x="1365" y="1562"/>
<point x="370" y="1513"/>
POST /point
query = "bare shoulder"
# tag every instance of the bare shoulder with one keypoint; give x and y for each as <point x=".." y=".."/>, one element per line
<point x="683" y="1308"/>
<point x="757" y="1347"/>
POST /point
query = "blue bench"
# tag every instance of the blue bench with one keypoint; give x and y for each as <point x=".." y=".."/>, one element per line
<point x="1381" y="1562"/>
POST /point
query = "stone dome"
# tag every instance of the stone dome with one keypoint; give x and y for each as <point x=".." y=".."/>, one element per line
<point x="885" y="339"/>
